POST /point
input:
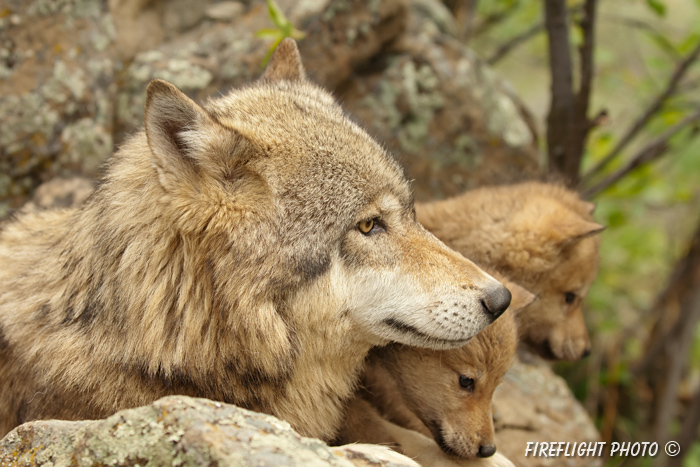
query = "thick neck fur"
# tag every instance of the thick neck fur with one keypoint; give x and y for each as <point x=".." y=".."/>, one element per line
<point x="135" y="279"/>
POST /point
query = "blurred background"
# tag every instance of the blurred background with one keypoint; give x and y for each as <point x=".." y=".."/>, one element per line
<point x="600" y="95"/>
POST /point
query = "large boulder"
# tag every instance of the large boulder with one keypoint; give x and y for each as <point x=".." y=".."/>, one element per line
<point x="534" y="405"/>
<point x="58" y="91"/>
<point x="181" y="431"/>
<point x="73" y="75"/>
<point x="449" y="118"/>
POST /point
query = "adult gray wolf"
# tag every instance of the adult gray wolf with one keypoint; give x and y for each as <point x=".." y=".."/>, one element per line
<point x="251" y="250"/>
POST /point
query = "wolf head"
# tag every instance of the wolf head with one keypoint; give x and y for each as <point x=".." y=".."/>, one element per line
<point x="555" y="254"/>
<point x="289" y="192"/>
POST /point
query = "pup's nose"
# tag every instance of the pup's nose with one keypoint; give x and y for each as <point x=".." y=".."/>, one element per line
<point x="586" y="352"/>
<point x="496" y="300"/>
<point x="488" y="450"/>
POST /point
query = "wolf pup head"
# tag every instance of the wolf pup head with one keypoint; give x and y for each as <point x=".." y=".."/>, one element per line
<point x="541" y="235"/>
<point x="450" y="391"/>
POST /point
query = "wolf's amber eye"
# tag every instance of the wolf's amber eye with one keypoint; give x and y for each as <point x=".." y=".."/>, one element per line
<point x="371" y="226"/>
<point x="366" y="226"/>
<point x="467" y="383"/>
<point x="569" y="297"/>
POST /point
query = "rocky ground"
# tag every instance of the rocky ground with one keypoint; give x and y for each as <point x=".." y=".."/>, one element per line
<point x="180" y="431"/>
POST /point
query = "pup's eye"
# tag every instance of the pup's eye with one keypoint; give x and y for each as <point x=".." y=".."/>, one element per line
<point x="370" y="226"/>
<point x="569" y="297"/>
<point x="466" y="383"/>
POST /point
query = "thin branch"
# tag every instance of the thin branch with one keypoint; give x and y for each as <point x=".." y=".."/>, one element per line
<point x="469" y="20"/>
<point x="511" y="44"/>
<point x="681" y="278"/>
<point x="679" y="348"/>
<point x="648" y="153"/>
<point x="493" y="19"/>
<point x="587" y="68"/>
<point x="520" y="39"/>
<point x="650" y="112"/>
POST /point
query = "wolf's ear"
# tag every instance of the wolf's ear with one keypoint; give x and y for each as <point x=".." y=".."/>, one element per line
<point x="169" y="113"/>
<point x="285" y="63"/>
<point x="553" y="222"/>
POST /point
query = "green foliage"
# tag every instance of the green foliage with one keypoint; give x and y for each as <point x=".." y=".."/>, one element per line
<point x="657" y="7"/>
<point x="651" y="213"/>
<point x="283" y="28"/>
<point x="692" y="459"/>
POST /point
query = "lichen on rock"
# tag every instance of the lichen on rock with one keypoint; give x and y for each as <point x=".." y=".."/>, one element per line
<point x="180" y="431"/>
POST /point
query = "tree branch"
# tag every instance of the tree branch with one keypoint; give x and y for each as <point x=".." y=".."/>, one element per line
<point x="679" y="347"/>
<point x="586" y="52"/>
<point x="567" y="123"/>
<point x="511" y="44"/>
<point x="650" y="112"/>
<point x="560" y="120"/>
<point x="582" y="124"/>
<point x="689" y="430"/>
<point x="493" y="20"/>
<point x="648" y="153"/>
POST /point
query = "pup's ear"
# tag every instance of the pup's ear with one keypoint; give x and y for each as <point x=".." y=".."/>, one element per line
<point x="588" y="206"/>
<point x="572" y="228"/>
<point x="553" y="222"/>
<point x="285" y="63"/>
<point x="520" y="296"/>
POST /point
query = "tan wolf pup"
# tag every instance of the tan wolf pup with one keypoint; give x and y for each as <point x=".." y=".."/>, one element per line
<point x="445" y="395"/>
<point x="251" y="250"/>
<point x="540" y="235"/>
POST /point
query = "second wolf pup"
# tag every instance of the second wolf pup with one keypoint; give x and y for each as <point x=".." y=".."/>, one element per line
<point x="540" y="235"/>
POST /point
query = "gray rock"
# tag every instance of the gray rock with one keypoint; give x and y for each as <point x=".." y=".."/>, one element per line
<point x="57" y="92"/>
<point x="453" y="123"/>
<point x="535" y="405"/>
<point x="225" y="11"/>
<point x="182" y="431"/>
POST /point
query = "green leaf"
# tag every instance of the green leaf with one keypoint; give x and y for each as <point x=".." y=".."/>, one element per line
<point x="689" y="43"/>
<point x="657" y="6"/>
<point x="663" y="43"/>
<point x="276" y="14"/>
<point x="268" y="33"/>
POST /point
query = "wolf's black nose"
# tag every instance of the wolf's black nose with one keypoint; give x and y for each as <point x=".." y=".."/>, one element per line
<point x="496" y="300"/>
<point x="488" y="450"/>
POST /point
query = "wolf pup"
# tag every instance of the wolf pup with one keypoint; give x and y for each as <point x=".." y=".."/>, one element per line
<point x="541" y="236"/>
<point x="250" y="251"/>
<point x="445" y="395"/>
